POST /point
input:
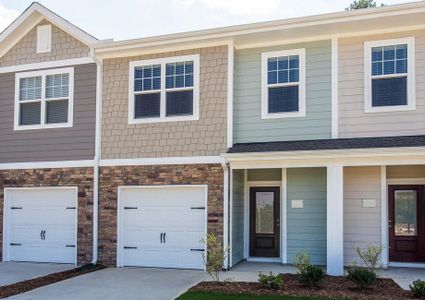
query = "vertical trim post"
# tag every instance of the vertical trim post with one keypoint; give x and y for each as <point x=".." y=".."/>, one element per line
<point x="384" y="217"/>
<point x="230" y="78"/>
<point x="335" y="108"/>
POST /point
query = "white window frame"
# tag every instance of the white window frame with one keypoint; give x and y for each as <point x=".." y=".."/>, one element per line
<point x="163" y="90"/>
<point x="43" y="100"/>
<point x="301" y="85"/>
<point x="44" y="34"/>
<point x="411" y="75"/>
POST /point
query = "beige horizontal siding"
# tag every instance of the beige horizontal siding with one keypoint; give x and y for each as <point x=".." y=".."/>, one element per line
<point x="64" y="46"/>
<point x="353" y="121"/>
<point x="362" y="226"/>
<point x="206" y="136"/>
<point x="406" y="171"/>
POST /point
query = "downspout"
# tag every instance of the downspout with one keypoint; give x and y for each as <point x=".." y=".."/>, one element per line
<point x="97" y="155"/>
<point x="225" y="212"/>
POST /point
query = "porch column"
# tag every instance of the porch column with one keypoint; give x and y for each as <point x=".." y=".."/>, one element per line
<point x="335" y="225"/>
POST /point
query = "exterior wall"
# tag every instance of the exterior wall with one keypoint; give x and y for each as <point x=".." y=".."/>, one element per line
<point x="204" y="137"/>
<point x="353" y="121"/>
<point x="265" y="175"/>
<point x="113" y="177"/>
<point x="74" y="143"/>
<point x="248" y="125"/>
<point x="64" y="46"/>
<point x="306" y="227"/>
<point x="362" y="226"/>
<point x="238" y="216"/>
<point x="80" y="177"/>
<point x="406" y="171"/>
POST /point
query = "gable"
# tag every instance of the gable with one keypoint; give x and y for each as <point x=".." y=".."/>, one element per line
<point x="64" y="46"/>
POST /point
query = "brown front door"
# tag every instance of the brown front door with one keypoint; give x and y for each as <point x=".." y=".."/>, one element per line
<point x="264" y="222"/>
<point x="406" y="217"/>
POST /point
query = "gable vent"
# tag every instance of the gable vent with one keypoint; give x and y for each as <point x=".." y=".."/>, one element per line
<point x="44" y="38"/>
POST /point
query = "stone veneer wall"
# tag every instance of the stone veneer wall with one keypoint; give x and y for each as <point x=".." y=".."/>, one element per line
<point x="113" y="177"/>
<point x="80" y="177"/>
<point x="64" y="46"/>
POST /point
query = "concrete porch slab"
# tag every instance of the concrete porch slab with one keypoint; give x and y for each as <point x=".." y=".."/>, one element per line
<point x="12" y="272"/>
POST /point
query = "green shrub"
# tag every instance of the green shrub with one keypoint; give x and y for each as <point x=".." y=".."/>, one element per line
<point x="311" y="276"/>
<point x="418" y="288"/>
<point x="371" y="257"/>
<point x="301" y="260"/>
<point x="271" y="281"/>
<point x="215" y="256"/>
<point x="362" y="277"/>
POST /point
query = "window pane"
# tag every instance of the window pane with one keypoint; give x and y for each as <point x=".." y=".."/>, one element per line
<point x="405" y="213"/>
<point x="180" y="103"/>
<point x="283" y="76"/>
<point x="401" y="66"/>
<point x="57" y="86"/>
<point x="377" y="68"/>
<point x="283" y="69"/>
<point x="30" y="88"/>
<point x="147" y="78"/>
<point x="401" y="51"/>
<point x="264" y="212"/>
<point x="57" y="111"/>
<point x="389" y="67"/>
<point x="30" y="113"/>
<point x="389" y="52"/>
<point x="389" y="91"/>
<point x="376" y="54"/>
<point x="179" y="74"/>
<point x="147" y="105"/>
<point x="294" y="62"/>
<point x="389" y="60"/>
<point x="283" y="99"/>
<point x="272" y="77"/>
<point x="272" y="64"/>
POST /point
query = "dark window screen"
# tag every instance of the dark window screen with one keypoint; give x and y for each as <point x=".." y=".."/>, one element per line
<point x="389" y="91"/>
<point x="147" y="105"/>
<point x="180" y="103"/>
<point x="283" y="99"/>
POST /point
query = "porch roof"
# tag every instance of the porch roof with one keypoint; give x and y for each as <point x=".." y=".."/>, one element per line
<point x="330" y="144"/>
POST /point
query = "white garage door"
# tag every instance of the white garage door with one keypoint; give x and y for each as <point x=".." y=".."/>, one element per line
<point x="162" y="226"/>
<point x="41" y="225"/>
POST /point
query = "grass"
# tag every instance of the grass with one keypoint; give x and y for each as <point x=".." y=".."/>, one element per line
<point x="214" y="296"/>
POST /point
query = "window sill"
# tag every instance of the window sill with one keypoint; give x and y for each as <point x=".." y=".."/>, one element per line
<point x="295" y="114"/>
<point x="163" y="120"/>
<point x="46" y="126"/>
<point x="395" y="108"/>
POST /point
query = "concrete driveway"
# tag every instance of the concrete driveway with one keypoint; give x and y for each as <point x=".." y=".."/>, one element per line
<point x="11" y="272"/>
<point x="120" y="283"/>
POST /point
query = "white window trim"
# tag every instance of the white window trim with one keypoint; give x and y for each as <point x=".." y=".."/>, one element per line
<point x="43" y="74"/>
<point x="163" y="62"/>
<point x="301" y="89"/>
<point x="44" y="29"/>
<point x="411" y="75"/>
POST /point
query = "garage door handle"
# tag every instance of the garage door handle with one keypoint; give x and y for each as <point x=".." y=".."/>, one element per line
<point x="198" y="207"/>
<point x="129" y="207"/>
<point x="70" y="246"/>
<point x="128" y="247"/>
<point x="198" y="250"/>
<point x="15" y="244"/>
<point x="15" y="207"/>
<point x="71" y="207"/>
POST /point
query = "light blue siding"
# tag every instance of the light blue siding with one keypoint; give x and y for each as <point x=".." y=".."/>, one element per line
<point x="238" y="216"/>
<point x="306" y="226"/>
<point x="248" y="125"/>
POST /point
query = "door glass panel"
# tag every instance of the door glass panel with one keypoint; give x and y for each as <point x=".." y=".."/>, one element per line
<point x="264" y="205"/>
<point x="405" y="202"/>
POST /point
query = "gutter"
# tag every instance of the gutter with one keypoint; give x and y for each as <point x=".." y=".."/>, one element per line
<point x="99" y="77"/>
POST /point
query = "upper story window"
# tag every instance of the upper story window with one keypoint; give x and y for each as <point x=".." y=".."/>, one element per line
<point x="390" y="75"/>
<point x="44" y="38"/>
<point x="44" y="99"/>
<point x="164" y="90"/>
<point x="283" y="84"/>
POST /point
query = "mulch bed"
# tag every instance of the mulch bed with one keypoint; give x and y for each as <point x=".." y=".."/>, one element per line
<point x="331" y="287"/>
<point x="28" y="285"/>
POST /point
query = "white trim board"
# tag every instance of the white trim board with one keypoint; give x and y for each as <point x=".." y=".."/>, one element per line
<point x="161" y="161"/>
<point x="230" y="82"/>
<point x="335" y="71"/>
<point x="384" y="217"/>
<point x="406" y="265"/>
<point x="47" y="165"/>
<point x="48" y="64"/>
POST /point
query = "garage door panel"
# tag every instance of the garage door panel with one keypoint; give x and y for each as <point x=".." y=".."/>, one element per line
<point x="177" y="211"/>
<point x="41" y="224"/>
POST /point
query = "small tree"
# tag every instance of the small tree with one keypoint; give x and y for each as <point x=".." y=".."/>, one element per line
<point x="214" y="257"/>
<point x="371" y="257"/>
<point x="359" y="4"/>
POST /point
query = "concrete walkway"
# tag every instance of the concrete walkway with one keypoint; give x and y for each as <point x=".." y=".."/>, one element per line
<point x="120" y="283"/>
<point x="248" y="271"/>
<point x="11" y="272"/>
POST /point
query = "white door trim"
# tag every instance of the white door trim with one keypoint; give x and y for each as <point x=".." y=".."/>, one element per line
<point x="6" y="215"/>
<point x="248" y="186"/>
<point x="119" y="211"/>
